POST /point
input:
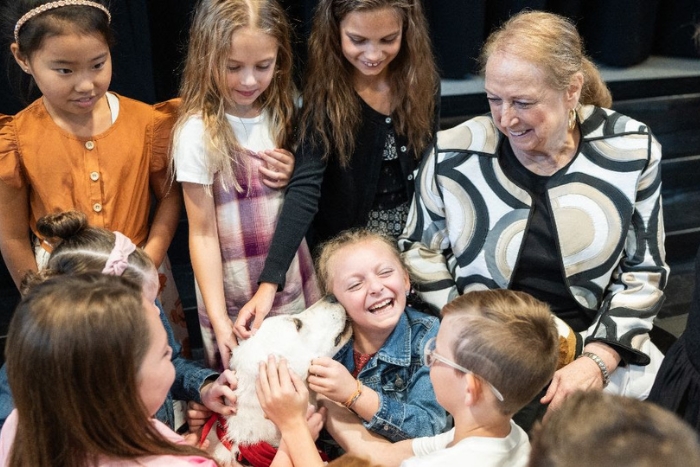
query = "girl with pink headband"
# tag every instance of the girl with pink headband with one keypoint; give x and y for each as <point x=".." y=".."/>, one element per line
<point x="79" y="248"/>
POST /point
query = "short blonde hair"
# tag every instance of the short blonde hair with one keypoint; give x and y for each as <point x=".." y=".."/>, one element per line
<point x="604" y="430"/>
<point x="351" y="460"/>
<point x="347" y="238"/>
<point x="552" y="43"/>
<point x="507" y="337"/>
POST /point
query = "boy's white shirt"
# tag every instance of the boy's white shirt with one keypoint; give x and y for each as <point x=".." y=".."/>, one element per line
<point x="511" y="451"/>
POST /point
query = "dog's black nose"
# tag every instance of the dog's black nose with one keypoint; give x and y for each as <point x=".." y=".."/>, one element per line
<point x="331" y="299"/>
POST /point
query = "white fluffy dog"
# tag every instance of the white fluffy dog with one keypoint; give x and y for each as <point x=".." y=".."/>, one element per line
<point x="320" y="330"/>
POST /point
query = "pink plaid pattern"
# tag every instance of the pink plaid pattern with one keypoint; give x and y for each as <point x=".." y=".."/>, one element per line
<point x="246" y="223"/>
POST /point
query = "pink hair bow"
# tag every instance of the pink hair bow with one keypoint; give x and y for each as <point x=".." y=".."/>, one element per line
<point x="119" y="257"/>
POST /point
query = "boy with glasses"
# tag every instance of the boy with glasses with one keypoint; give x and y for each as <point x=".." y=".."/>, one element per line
<point x="493" y="354"/>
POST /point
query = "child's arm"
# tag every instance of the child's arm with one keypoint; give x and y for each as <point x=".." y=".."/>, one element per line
<point x="14" y="232"/>
<point x="284" y="399"/>
<point x="167" y="214"/>
<point x="349" y="432"/>
<point x="205" y="253"/>
<point x="300" y="206"/>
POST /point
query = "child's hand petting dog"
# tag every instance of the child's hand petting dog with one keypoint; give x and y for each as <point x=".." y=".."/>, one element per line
<point x="331" y="379"/>
<point x="285" y="401"/>
<point x="218" y="395"/>
<point x="282" y="394"/>
<point x="192" y="439"/>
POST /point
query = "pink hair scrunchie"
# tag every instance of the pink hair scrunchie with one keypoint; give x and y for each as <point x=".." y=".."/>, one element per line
<point x="119" y="257"/>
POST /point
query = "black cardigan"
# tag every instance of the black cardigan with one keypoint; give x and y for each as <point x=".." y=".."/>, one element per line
<point x="332" y="197"/>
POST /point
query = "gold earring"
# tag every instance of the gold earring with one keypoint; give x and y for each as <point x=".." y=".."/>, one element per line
<point x="572" y="119"/>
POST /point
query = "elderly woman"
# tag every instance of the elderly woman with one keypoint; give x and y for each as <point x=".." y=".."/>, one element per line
<point x="552" y="194"/>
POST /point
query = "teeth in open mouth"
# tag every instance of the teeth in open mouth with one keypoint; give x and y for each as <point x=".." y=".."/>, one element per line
<point x="379" y="305"/>
<point x="517" y="133"/>
<point x="371" y="64"/>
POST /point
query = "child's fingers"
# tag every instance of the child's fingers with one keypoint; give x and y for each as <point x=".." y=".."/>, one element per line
<point x="191" y="439"/>
<point x="262" y="385"/>
<point x="285" y="375"/>
<point x="277" y="155"/>
<point x="272" y="373"/>
<point x="299" y="385"/>
<point x="230" y="379"/>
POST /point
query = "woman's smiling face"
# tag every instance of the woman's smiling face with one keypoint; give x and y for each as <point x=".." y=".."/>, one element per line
<point x="525" y="109"/>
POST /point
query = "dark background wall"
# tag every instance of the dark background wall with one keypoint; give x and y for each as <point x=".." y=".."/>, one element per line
<point x="152" y="36"/>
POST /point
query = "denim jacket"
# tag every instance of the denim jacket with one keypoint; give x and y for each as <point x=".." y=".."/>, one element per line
<point x="190" y="376"/>
<point x="407" y="404"/>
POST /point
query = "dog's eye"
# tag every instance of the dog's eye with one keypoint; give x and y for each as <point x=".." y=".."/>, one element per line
<point x="297" y="323"/>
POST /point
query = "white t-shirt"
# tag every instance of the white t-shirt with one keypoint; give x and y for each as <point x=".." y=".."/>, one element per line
<point x="511" y="451"/>
<point x="188" y="148"/>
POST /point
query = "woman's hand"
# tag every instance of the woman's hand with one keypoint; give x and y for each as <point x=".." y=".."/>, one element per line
<point x="580" y="375"/>
<point x="218" y="395"/>
<point x="583" y="374"/>
<point x="225" y="339"/>
<point x="280" y="165"/>
<point x="331" y="379"/>
<point x="256" y="310"/>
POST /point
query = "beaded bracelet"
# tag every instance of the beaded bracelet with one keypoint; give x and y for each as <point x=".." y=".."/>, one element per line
<point x="601" y="364"/>
<point x="356" y="395"/>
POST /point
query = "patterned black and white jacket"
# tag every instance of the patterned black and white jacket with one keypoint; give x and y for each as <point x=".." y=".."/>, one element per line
<point x="467" y="222"/>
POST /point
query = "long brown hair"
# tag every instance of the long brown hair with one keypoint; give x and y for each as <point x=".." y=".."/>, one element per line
<point x="331" y="110"/>
<point x="74" y="348"/>
<point x="204" y="90"/>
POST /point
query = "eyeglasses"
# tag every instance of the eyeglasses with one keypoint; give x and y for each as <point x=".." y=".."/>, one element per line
<point x="430" y="356"/>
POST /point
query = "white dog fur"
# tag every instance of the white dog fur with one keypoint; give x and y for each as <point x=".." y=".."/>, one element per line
<point x="320" y="330"/>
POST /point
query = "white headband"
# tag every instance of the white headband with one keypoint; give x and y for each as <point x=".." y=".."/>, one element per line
<point x="52" y="5"/>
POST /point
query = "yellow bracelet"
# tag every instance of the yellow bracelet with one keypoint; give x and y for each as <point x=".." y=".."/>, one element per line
<point x="356" y="395"/>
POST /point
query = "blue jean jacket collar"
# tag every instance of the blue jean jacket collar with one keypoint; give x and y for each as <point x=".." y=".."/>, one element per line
<point x="396" y="350"/>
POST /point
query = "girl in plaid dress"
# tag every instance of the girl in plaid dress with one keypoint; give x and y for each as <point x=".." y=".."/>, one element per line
<point x="236" y="118"/>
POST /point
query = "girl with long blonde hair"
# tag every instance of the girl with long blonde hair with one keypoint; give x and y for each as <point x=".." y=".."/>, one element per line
<point x="231" y="156"/>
